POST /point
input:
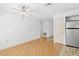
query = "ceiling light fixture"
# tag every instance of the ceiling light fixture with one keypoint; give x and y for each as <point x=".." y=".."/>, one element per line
<point x="22" y="10"/>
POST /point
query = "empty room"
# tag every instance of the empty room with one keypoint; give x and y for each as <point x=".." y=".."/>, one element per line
<point x="39" y="29"/>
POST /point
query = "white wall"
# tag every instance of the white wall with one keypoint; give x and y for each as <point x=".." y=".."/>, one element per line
<point x="14" y="30"/>
<point x="51" y="27"/>
<point x="59" y="25"/>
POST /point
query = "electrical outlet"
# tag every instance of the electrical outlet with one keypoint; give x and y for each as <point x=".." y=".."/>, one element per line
<point x="44" y="34"/>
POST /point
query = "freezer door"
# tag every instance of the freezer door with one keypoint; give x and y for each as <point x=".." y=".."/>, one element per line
<point x="72" y="24"/>
<point x="72" y="37"/>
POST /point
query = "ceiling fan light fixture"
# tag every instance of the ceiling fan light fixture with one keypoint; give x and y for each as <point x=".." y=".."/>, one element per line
<point x="23" y="10"/>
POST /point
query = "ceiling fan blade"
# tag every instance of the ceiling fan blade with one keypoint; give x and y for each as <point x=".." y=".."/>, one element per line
<point x="35" y="15"/>
<point x="14" y="12"/>
<point x="15" y="8"/>
<point x="27" y="14"/>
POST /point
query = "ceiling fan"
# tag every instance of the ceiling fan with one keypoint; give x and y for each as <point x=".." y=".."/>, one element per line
<point x="23" y="10"/>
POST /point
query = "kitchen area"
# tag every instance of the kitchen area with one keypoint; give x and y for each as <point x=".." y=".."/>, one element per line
<point x="72" y="31"/>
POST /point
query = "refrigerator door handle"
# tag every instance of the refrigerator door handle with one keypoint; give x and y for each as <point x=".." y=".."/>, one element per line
<point x="72" y="28"/>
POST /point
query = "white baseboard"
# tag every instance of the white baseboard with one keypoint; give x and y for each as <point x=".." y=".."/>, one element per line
<point x="59" y="42"/>
<point x="19" y="43"/>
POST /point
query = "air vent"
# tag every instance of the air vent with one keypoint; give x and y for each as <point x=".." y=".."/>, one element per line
<point x="44" y="34"/>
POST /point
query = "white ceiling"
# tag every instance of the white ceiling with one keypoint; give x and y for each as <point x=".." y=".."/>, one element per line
<point x="55" y="7"/>
<point x="44" y="10"/>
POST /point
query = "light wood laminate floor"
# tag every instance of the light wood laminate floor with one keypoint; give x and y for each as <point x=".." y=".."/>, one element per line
<point x="38" y="47"/>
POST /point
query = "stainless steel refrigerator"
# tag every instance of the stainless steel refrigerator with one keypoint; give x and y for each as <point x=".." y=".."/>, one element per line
<point x="72" y="32"/>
